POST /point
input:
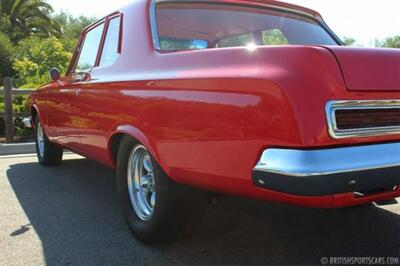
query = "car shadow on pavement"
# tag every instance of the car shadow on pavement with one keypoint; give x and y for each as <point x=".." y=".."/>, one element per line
<point x="73" y="209"/>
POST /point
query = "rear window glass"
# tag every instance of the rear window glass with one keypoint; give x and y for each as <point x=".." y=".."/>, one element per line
<point x="188" y="26"/>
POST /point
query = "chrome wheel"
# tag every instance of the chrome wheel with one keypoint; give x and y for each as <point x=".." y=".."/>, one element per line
<point x="141" y="183"/>
<point x="40" y="139"/>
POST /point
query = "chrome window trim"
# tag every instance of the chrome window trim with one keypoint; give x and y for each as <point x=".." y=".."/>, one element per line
<point x="153" y="25"/>
<point x="333" y="106"/>
<point x="154" y="28"/>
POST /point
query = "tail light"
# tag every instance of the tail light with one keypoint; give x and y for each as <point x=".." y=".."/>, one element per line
<point x="363" y="118"/>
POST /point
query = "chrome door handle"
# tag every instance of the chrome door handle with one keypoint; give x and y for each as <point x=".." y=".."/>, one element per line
<point x="82" y="77"/>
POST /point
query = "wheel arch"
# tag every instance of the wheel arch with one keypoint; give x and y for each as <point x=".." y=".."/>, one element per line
<point x="34" y="111"/>
<point x="36" y="114"/>
<point x="121" y="131"/>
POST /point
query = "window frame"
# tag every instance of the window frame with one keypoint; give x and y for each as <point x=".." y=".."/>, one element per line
<point x="104" y="38"/>
<point x="154" y="27"/>
<point x="82" y="38"/>
<point x="80" y="48"/>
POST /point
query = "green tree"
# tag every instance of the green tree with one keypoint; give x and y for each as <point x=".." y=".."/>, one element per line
<point x="34" y="58"/>
<point x="6" y="52"/>
<point x="349" y="41"/>
<point x="392" y="42"/>
<point x="71" y="28"/>
<point x="22" y="18"/>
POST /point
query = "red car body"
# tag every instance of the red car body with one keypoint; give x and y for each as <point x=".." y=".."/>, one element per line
<point x="206" y="116"/>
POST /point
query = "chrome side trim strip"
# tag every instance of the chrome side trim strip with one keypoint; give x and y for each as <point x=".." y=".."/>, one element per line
<point x="305" y="163"/>
<point x="333" y="106"/>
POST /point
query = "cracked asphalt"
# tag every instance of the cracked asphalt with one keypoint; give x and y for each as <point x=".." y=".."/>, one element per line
<point x="68" y="215"/>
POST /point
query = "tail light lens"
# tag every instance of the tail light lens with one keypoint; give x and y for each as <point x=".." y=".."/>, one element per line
<point x="367" y="118"/>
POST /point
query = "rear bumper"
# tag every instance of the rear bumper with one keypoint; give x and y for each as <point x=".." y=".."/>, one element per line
<point x="332" y="171"/>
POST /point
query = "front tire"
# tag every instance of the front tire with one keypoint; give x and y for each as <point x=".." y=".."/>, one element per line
<point x="48" y="154"/>
<point x="156" y="209"/>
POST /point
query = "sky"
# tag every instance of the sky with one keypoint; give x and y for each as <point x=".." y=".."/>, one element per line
<point x="363" y="20"/>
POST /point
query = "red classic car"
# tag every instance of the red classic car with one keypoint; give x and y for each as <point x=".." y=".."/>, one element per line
<point x="250" y="98"/>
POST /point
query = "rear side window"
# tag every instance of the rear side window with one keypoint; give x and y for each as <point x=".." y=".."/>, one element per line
<point x="110" y="50"/>
<point x="188" y="26"/>
<point x="90" y="47"/>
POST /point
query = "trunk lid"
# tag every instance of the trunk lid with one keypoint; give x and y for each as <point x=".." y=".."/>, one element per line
<point x="369" y="69"/>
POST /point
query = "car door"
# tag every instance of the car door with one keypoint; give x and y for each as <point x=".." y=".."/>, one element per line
<point x="95" y="96"/>
<point x="67" y="125"/>
<point x="62" y="113"/>
<point x="64" y="119"/>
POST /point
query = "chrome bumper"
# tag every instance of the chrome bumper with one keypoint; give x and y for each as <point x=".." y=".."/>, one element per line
<point x="329" y="171"/>
<point x="27" y="122"/>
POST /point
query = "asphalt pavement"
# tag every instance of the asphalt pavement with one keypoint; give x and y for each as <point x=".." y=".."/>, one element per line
<point x="68" y="215"/>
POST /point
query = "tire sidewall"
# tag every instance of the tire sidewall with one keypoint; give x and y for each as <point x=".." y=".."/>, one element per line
<point x="39" y="156"/>
<point x="139" y="227"/>
<point x="52" y="154"/>
<point x="174" y="208"/>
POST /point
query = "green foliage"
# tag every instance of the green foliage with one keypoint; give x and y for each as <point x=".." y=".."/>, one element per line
<point x="33" y="40"/>
<point x="349" y="41"/>
<point x="36" y="56"/>
<point x="72" y="26"/>
<point x="6" y="53"/>
<point x="274" y="37"/>
<point x="23" y="18"/>
<point x="20" y="106"/>
<point x="392" y="42"/>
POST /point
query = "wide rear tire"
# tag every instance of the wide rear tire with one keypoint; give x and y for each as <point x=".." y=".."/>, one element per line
<point x="48" y="154"/>
<point x="156" y="209"/>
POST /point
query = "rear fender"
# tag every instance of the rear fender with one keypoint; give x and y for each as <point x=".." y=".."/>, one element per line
<point x="138" y="135"/>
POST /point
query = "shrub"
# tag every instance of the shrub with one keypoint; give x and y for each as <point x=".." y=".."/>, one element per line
<point x="6" y="52"/>
<point x="34" y="58"/>
<point x="19" y="106"/>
